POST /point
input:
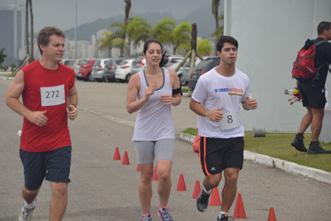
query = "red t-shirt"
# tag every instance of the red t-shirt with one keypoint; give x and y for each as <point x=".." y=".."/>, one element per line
<point x="46" y="90"/>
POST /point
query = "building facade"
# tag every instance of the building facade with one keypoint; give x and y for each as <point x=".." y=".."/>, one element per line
<point x="12" y="29"/>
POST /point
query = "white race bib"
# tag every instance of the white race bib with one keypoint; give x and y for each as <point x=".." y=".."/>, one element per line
<point x="51" y="96"/>
<point x="229" y="121"/>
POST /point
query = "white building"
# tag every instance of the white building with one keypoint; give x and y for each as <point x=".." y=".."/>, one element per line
<point x="270" y="33"/>
<point x="12" y="29"/>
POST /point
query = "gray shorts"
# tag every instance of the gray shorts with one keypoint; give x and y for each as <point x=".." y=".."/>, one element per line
<point x="147" y="151"/>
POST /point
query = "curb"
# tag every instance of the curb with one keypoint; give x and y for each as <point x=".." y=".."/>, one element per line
<point x="293" y="168"/>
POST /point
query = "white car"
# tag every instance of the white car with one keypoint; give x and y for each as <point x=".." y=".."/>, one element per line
<point x="124" y="69"/>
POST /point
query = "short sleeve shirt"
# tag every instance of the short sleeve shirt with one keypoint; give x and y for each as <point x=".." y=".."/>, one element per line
<point x="214" y="90"/>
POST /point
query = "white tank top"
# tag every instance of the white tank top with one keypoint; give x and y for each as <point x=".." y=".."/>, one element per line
<point x="154" y="120"/>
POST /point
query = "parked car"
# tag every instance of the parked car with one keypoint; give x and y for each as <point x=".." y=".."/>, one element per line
<point x="138" y="64"/>
<point x="173" y="61"/>
<point x="98" y="69"/>
<point x="77" y="65"/>
<point x="184" y="75"/>
<point x="69" y="62"/>
<point x="124" y="69"/>
<point x="85" y="69"/>
<point x="110" y="69"/>
<point x="201" y="68"/>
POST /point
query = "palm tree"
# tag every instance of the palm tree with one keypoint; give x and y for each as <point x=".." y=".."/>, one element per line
<point x="181" y="37"/>
<point x="137" y="30"/>
<point x="127" y="11"/>
<point x="106" y="42"/>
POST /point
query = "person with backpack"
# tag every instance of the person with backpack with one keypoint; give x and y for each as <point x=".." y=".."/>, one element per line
<point x="311" y="69"/>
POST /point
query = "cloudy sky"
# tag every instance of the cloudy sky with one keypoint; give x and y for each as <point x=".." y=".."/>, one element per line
<point x="61" y="13"/>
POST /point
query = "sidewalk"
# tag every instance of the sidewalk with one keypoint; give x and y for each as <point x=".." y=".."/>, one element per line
<point x="293" y="168"/>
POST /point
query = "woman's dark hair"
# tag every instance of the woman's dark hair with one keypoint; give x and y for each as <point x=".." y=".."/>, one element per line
<point x="164" y="59"/>
<point x="226" y="39"/>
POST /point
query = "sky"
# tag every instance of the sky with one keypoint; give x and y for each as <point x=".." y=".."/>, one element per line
<point x="61" y="13"/>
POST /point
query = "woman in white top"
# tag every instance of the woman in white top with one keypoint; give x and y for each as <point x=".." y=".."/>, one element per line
<point x="151" y="92"/>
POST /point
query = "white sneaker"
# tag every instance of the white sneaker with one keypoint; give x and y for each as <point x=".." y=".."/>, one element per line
<point x="26" y="213"/>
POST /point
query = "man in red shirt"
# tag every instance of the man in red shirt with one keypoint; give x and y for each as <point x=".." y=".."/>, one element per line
<point x="49" y="98"/>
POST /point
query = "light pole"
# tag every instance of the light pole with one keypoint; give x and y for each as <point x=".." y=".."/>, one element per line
<point x="75" y="32"/>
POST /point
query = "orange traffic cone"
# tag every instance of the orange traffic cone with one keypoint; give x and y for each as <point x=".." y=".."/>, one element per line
<point x="125" y="160"/>
<point x="196" y="190"/>
<point x="155" y="176"/>
<point x="181" y="186"/>
<point x="116" y="155"/>
<point x="272" y="215"/>
<point x="239" y="210"/>
<point x="215" y="198"/>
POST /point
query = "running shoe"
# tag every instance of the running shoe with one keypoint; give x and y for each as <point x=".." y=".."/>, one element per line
<point x="164" y="214"/>
<point x="202" y="201"/>
<point x="26" y="213"/>
<point x="298" y="143"/>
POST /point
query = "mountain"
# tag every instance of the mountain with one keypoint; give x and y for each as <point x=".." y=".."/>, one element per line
<point x="202" y="17"/>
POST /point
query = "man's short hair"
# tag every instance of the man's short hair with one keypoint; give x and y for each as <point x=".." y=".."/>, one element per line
<point x="323" y="26"/>
<point x="226" y="39"/>
<point x="45" y="33"/>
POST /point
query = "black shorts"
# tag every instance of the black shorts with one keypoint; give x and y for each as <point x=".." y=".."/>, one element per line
<point x="313" y="94"/>
<point x="54" y="165"/>
<point x="217" y="154"/>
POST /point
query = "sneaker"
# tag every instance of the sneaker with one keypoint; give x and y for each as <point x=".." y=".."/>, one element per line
<point x="315" y="148"/>
<point x="146" y="218"/>
<point x="202" y="201"/>
<point x="164" y="214"/>
<point x="26" y="214"/>
<point x="298" y="143"/>
<point x="222" y="217"/>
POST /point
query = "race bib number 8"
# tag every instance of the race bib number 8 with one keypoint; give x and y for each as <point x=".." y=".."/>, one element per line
<point x="51" y="96"/>
<point x="229" y="121"/>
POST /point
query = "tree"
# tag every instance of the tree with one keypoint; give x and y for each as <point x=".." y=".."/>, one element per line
<point x="138" y="29"/>
<point x="204" y="47"/>
<point x="162" y="31"/>
<point x="118" y="29"/>
<point x="106" y="41"/>
<point x="182" y="37"/>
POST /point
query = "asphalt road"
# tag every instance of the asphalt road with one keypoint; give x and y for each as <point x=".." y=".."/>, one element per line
<point x="103" y="189"/>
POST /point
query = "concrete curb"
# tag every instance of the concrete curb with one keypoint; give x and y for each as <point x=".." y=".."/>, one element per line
<point x="293" y="168"/>
<point x="6" y="75"/>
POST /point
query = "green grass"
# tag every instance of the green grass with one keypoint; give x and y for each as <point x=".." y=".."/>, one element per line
<point x="278" y="145"/>
<point x="185" y="89"/>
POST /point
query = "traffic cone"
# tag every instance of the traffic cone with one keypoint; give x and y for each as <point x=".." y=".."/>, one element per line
<point x="116" y="155"/>
<point x="196" y="190"/>
<point x="215" y="198"/>
<point x="155" y="176"/>
<point x="125" y="160"/>
<point x="272" y="215"/>
<point x="239" y="210"/>
<point x="181" y="186"/>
